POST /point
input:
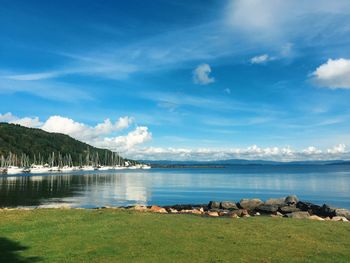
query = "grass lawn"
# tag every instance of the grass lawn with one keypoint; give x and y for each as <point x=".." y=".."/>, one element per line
<point x="127" y="236"/>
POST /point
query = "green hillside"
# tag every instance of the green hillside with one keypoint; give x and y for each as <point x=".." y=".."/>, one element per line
<point x="32" y="142"/>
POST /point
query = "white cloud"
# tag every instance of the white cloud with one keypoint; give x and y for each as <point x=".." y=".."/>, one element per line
<point x="26" y="121"/>
<point x="253" y="152"/>
<point x="333" y="74"/>
<point x="82" y="131"/>
<point x="260" y="59"/>
<point x="100" y="135"/>
<point x="128" y="142"/>
<point x="311" y="150"/>
<point x="201" y="75"/>
<point x="340" y="148"/>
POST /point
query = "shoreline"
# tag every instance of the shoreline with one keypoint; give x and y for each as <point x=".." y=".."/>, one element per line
<point x="288" y="207"/>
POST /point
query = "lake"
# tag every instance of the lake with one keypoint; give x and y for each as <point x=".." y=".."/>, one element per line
<point x="318" y="184"/>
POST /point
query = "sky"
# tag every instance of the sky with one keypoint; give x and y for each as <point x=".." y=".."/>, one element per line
<point x="182" y="80"/>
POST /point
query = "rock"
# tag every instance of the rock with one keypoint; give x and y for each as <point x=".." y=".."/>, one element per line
<point x="288" y="209"/>
<point x="172" y="211"/>
<point x="325" y="211"/>
<point x="291" y="200"/>
<point x="228" y="205"/>
<point x="298" y="215"/>
<point x="343" y="212"/>
<point x="277" y="214"/>
<point x="234" y="216"/>
<point x="239" y="212"/>
<point x="267" y="209"/>
<point x="158" y="209"/>
<point x="141" y="208"/>
<point x="214" y="205"/>
<point x="315" y="217"/>
<point x="257" y="214"/>
<point x="223" y="213"/>
<point x="214" y="214"/>
<point x="182" y="207"/>
<point x="275" y="201"/>
<point x="340" y="218"/>
<point x="310" y="207"/>
<point x="246" y="215"/>
<point x="192" y="211"/>
<point x="250" y="204"/>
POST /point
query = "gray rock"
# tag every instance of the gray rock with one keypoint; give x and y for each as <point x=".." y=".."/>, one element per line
<point x="267" y="209"/>
<point x="343" y="212"/>
<point x="298" y="215"/>
<point x="239" y="212"/>
<point x="291" y="200"/>
<point x="214" y="205"/>
<point x="275" y="201"/>
<point x="250" y="204"/>
<point x="228" y="205"/>
<point x="288" y="209"/>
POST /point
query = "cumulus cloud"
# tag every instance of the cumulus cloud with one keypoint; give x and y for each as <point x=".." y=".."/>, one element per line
<point x="126" y="143"/>
<point x="253" y="152"/>
<point x="260" y="59"/>
<point x="100" y="135"/>
<point x="201" y="75"/>
<point x="333" y="74"/>
<point x="26" y="121"/>
<point x="82" y="131"/>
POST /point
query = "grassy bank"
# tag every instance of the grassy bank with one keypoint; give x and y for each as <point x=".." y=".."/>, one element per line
<point x="127" y="236"/>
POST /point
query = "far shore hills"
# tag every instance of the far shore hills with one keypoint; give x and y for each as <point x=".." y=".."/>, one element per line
<point x="238" y="162"/>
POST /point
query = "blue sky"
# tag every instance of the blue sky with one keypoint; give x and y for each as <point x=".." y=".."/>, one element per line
<point x="182" y="79"/>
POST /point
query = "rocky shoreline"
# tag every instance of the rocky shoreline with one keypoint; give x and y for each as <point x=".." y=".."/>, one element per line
<point x="289" y="207"/>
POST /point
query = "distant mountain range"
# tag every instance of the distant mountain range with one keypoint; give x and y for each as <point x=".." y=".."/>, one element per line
<point x="169" y="163"/>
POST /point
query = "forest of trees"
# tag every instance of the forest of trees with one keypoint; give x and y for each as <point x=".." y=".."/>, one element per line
<point x="32" y="142"/>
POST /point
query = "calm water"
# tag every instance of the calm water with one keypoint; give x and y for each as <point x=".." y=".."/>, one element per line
<point x="318" y="184"/>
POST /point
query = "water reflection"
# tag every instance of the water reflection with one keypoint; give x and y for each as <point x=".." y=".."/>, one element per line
<point x="170" y="186"/>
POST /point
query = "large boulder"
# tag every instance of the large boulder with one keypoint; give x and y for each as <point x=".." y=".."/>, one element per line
<point x="214" y="205"/>
<point x="228" y="205"/>
<point x="158" y="209"/>
<point x="326" y="211"/>
<point x="288" y="209"/>
<point x="250" y="204"/>
<point x="343" y="212"/>
<point x="267" y="209"/>
<point x="298" y="215"/>
<point x="239" y="212"/>
<point x="213" y="214"/>
<point x="310" y="207"/>
<point x="275" y="201"/>
<point x="291" y="200"/>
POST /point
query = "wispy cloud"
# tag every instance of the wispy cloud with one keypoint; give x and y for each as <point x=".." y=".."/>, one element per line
<point x="261" y="59"/>
<point x="52" y="90"/>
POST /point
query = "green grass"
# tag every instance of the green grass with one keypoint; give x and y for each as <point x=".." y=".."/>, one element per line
<point x="127" y="236"/>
